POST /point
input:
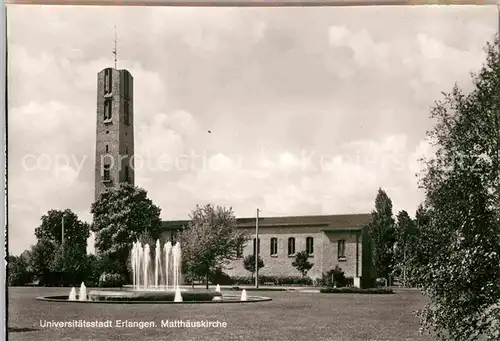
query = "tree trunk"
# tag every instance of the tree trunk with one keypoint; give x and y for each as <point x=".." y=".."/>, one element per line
<point x="206" y="280"/>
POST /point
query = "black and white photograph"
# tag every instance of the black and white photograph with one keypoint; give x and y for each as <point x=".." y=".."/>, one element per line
<point x="288" y="173"/>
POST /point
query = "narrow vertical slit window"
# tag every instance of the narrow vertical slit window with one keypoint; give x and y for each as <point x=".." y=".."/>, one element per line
<point x="126" y="87"/>
<point x="274" y="246"/>
<point x="127" y="174"/>
<point x="310" y="245"/>
<point x="126" y="112"/>
<point x="107" y="109"/>
<point x="341" y="249"/>
<point x="108" y="82"/>
<point x="107" y="173"/>
<point x="291" y="246"/>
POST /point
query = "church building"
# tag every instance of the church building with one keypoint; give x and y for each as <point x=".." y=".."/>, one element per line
<point x="330" y="240"/>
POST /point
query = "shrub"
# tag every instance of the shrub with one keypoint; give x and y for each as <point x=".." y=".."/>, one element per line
<point x="352" y="290"/>
<point x="335" y="277"/>
<point x="220" y="277"/>
<point x="108" y="280"/>
<point x="380" y="282"/>
<point x="17" y="271"/>
<point x="249" y="263"/>
<point x="245" y="280"/>
<point x="276" y="280"/>
<point x="293" y="280"/>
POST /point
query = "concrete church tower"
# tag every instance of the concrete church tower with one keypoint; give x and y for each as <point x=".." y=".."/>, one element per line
<point x="115" y="129"/>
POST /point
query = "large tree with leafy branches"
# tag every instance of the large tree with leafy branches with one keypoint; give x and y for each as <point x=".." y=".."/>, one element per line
<point x="405" y="241"/>
<point x="76" y="231"/>
<point x="211" y="240"/>
<point x="381" y="229"/>
<point x="61" y="245"/>
<point x="121" y="216"/>
<point x="458" y="268"/>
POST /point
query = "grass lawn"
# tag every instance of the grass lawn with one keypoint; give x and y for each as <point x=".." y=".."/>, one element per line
<point x="289" y="316"/>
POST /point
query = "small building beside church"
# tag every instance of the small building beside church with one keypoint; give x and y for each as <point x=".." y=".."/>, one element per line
<point x="330" y="240"/>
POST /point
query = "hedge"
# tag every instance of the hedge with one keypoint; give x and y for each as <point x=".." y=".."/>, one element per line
<point x="352" y="290"/>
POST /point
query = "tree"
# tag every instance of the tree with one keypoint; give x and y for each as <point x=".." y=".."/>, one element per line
<point x="94" y="270"/>
<point x="381" y="230"/>
<point x="17" y="270"/>
<point x="50" y="255"/>
<point x="211" y="240"/>
<point x="458" y="268"/>
<point x="405" y="240"/>
<point x="76" y="232"/>
<point x="301" y="263"/>
<point x="421" y="251"/>
<point x="249" y="263"/>
<point x="121" y="216"/>
<point x="72" y="263"/>
<point x="42" y="256"/>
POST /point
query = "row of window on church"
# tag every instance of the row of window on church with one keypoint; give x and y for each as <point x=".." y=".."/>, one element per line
<point x="273" y="247"/>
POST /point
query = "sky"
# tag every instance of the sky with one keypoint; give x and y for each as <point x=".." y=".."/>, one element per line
<point x="310" y="110"/>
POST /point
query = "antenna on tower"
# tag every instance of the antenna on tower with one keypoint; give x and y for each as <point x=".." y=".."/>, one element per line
<point x="115" y="51"/>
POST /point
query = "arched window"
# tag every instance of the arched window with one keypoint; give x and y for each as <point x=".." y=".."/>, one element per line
<point x="274" y="246"/>
<point x="291" y="246"/>
<point x="310" y="245"/>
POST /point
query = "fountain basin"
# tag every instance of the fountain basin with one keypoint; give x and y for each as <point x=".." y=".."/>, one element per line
<point x="148" y="296"/>
<point x="129" y="287"/>
<point x="215" y="299"/>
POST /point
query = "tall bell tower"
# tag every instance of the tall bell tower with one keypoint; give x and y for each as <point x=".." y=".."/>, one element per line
<point x="115" y="129"/>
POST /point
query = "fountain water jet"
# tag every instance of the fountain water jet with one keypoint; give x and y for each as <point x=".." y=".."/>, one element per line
<point x="163" y="272"/>
<point x="72" y="294"/>
<point x="217" y="288"/>
<point x="147" y="256"/>
<point x="167" y="250"/>
<point x="157" y="263"/>
<point x="244" y="296"/>
<point x="82" y="296"/>
<point x="178" y="296"/>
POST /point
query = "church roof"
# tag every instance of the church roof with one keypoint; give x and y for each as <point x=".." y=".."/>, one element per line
<point x="332" y="221"/>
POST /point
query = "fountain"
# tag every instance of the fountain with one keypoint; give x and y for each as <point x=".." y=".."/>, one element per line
<point x="72" y="294"/>
<point x="244" y="296"/>
<point x="178" y="296"/>
<point x="156" y="278"/>
<point x="163" y="277"/>
<point x="82" y="295"/>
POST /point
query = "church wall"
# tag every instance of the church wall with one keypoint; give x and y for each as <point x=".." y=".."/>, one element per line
<point x="324" y="257"/>
<point x="281" y="264"/>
